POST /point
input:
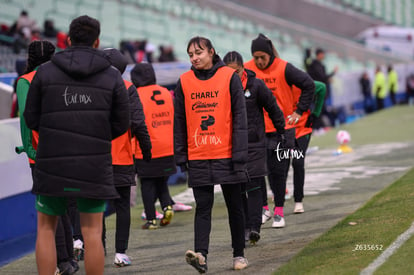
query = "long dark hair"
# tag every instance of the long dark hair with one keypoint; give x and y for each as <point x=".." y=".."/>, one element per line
<point x="202" y="42"/>
<point x="233" y="57"/>
<point x="39" y="52"/>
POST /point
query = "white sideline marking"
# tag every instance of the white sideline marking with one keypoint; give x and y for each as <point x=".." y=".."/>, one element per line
<point x="389" y="251"/>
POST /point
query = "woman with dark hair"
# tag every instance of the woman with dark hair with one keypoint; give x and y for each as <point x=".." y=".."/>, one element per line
<point x="279" y="76"/>
<point x="210" y="130"/>
<point x="39" y="52"/>
<point x="258" y="97"/>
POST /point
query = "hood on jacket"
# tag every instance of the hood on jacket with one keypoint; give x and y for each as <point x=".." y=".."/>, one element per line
<point x="117" y="59"/>
<point x="81" y="61"/>
<point x="251" y="76"/>
<point x="143" y="74"/>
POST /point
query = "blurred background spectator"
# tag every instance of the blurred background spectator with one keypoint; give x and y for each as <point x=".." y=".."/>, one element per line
<point x="365" y="83"/>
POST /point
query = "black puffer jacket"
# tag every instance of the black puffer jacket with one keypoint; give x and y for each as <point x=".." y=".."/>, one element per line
<point x="124" y="175"/>
<point x="215" y="171"/>
<point x="143" y="75"/>
<point x="78" y="103"/>
<point x="258" y="96"/>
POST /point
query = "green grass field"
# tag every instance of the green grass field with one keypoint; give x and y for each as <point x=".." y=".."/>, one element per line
<point x="376" y="225"/>
<point x="389" y="125"/>
<point x="360" y="238"/>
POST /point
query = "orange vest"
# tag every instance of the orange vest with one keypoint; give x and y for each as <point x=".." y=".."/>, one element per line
<point x="35" y="134"/>
<point x="208" y="114"/>
<point x="274" y="78"/>
<point x="121" y="146"/>
<point x="301" y="130"/>
<point x="159" y="117"/>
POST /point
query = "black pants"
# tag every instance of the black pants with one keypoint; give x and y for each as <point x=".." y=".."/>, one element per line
<point x="123" y="219"/>
<point x="264" y="193"/>
<point x="393" y="98"/>
<point x="74" y="217"/>
<point x="380" y="103"/>
<point x="63" y="238"/>
<point x="204" y="198"/>
<point x="298" y="164"/>
<point x="278" y="162"/>
<point x="154" y="188"/>
<point x="253" y="202"/>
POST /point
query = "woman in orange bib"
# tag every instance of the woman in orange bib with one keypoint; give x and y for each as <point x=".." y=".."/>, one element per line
<point x="279" y="76"/>
<point x="210" y="131"/>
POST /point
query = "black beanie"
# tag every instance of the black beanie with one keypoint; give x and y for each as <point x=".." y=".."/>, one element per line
<point x="263" y="44"/>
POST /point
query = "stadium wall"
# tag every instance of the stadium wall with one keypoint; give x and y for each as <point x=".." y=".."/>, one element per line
<point x="17" y="212"/>
<point x="6" y="93"/>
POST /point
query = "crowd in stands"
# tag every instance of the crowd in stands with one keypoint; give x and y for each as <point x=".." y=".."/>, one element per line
<point x="138" y="51"/>
<point x="26" y="29"/>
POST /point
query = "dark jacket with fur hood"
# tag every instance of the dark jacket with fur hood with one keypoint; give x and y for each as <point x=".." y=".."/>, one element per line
<point x="78" y="103"/>
<point x="215" y="171"/>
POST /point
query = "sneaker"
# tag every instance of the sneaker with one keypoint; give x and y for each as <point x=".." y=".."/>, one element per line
<point x="278" y="222"/>
<point x="65" y="268"/>
<point x="239" y="263"/>
<point x="266" y="215"/>
<point x="178" y="206"/>
<point x="254" y="237"/>
<point x="168" y="215"/>
<point x="196" y="260"/>
<point x="158" y="215"/>
<point x="74" y="264"/>
<point x="78" y="252"/>
<point x="150" y="225"/>
<point x="121" y="260"/>
<point x="298" y="208"/>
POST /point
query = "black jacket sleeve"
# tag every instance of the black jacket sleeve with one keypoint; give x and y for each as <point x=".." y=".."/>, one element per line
<point x="240" y="132"/>
<point x="317" y="71"/>
<point x="180" y="127"/>
<point x="304" y="82"/>
<point x="267" y="100"/>
<point x="120" y="109"/>
<point x="33" y="103"/>
<point x="138" y="126"/>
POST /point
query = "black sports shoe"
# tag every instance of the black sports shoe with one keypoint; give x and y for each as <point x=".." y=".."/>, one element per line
<point x="197" y="260"/>
<point x="74" y="264"/>
<point x="66" y="268"/>
<point x="151" y="224"/>
<point x="254" y="237"/>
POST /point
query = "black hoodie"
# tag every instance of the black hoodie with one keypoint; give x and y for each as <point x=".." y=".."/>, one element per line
<point x="215" y="171"/>
<point x="78" y="103"/>
<point x="143" y="75"/>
